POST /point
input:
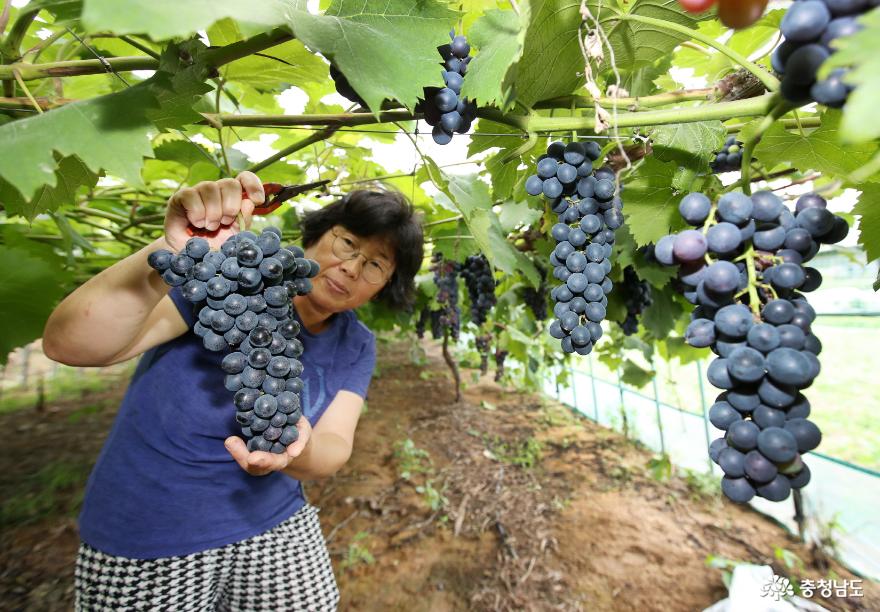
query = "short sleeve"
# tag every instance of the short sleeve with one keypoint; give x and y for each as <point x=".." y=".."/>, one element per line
<point x="361" y="371"/>
<point x="184" y="306"/>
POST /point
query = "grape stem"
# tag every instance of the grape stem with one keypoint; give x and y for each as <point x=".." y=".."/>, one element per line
<point x="754" y="301"/>
<point x="745" y="181"/>
<point x="769" y="81"/>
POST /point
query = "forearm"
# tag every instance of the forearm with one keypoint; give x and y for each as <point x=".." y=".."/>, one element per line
<point x="104" y="315"/>
<point x="322" y="457"/>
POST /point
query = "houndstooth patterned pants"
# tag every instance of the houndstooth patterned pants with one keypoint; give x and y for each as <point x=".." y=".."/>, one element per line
<point x="285" y="568"/>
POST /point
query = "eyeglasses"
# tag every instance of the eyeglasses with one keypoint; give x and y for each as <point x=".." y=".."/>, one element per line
<point x="374" y="271"/>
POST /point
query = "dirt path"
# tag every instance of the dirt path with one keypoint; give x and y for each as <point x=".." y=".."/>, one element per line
<point x="502" y="502"/>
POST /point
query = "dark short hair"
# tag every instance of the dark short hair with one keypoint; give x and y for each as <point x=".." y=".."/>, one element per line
<point x="383" y="213"/>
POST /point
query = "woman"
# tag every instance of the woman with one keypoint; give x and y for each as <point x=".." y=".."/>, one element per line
<point x="171" y="519"/>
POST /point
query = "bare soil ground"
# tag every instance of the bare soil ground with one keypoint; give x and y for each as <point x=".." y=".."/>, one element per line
<point x="504" y="501"/>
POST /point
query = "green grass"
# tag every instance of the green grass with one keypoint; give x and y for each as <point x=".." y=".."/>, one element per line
<point x="67" y="383"/>
<point x="843" y="397"/>
<point x="47" y="493"/>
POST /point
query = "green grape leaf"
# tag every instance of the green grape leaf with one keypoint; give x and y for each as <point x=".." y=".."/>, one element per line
<point x="635" y="375"/>
<point x="551" y="64"/>
<point x="289" y="63"/>
<point x="861" y="53"/>
<point x="70" y="176"/>
<point x="164" y="19"/>
<point x="503" y="176"/>
<point x="514" y="214"/>
<point x="650" y="205"/>
<point x="499" y="36"/>
<point x="63" y="10"/>
<point x="471" y="196"/>
<point x="820" y="150"/>
<point x="637" y="44"/>
<point x="399" y="35"/>
<point x="503" y="136"/>
<point x="29" y="289"/>
<point x="117" y="122"/>
<point x="179" y="84"/>
<point x="690" y="144"/>
<point x="868" y="207"/>
<point x="659" y="318"/>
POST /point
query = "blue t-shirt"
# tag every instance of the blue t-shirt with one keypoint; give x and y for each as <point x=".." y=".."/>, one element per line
<point x="164" y="484"/>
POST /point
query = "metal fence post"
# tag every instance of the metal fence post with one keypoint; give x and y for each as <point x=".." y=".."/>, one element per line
<point x="574" y="396"/>
<point x="593" y="385"/>
<point x="622" y="404"/>
<point x="703" y="406"/>
<point x="657" y="404"/>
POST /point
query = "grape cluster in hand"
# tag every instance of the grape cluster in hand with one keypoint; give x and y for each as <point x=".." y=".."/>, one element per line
<point x="444" y="108"/>
<point x="480" y="283"/>
<point x="729" y="158"/>
<point x="743" y="269"/>
<point x="810" y="27"/>
<point x="636" y="297"/>
<point x="241" y="298"/>
<point x="448" y="316"/>
<point x="588" y="212"/>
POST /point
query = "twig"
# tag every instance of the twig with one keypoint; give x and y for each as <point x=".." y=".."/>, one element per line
<point x="4" y="16"/>
<point x="452" y="366"/>
<point x="332" y="533"/>
<point x="27" y="92"/>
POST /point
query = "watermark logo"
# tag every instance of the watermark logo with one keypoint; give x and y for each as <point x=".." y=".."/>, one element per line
<point x="780" y="587"/>
<point x="777" y="588"/>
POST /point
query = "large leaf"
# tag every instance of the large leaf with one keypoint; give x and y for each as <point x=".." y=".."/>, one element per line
<point x="109" y="133"/>
<point x="401" y="36"/>
<point x="552" y="64"/>
<point x="471" y="197"/>
<point x="179" y="84"/>
<point x="70" y="175"/>
<point x="29" y="289"/>
<point x="499" y="36"/>
<point x="820" y="150"/>
<point x="868" y="208"/>
<point x="163" y="19"/>
<point x="637" y="44"/>
<point x="288" y="63"/>
<point x="650" y="205"/>
<point x="690" y="144"/>
<point x="861" y="51"/>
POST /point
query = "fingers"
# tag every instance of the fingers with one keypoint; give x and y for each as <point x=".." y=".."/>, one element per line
<point x="231" y="201"/>
<point x="257" y="463"/>
<point x="189" y="204"/>
<point x="253" y="186"/>
<point x="210" y="193"/>
<point x="305" y="435"/>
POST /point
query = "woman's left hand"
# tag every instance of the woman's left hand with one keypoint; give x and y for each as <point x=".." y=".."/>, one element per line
<point x="260" y="463"/>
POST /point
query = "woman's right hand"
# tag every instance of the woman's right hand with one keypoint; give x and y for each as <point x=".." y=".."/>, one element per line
<point x="212" y="205"/>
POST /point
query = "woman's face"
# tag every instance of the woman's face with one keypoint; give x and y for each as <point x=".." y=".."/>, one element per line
<point x="340" y="285"/>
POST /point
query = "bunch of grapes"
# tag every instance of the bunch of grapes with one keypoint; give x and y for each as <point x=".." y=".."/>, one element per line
<point x="588" y="212"/>
<point x="810" y="27"/>
<point x="480" y="283"/>
<point x="448" y="316"/>
<point x="422" y="322"/>
<point x="483" y="342"/>
<point x="443" y="108"/>
<point x="536" y="299"/>
<point x="344" y="88"/>
<point x="241" y="298"/>
<point x="729" y="158"/>
<point x="636" y="297"/>
<point x="743" y="268"/>
<point x="500" y="358"/>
